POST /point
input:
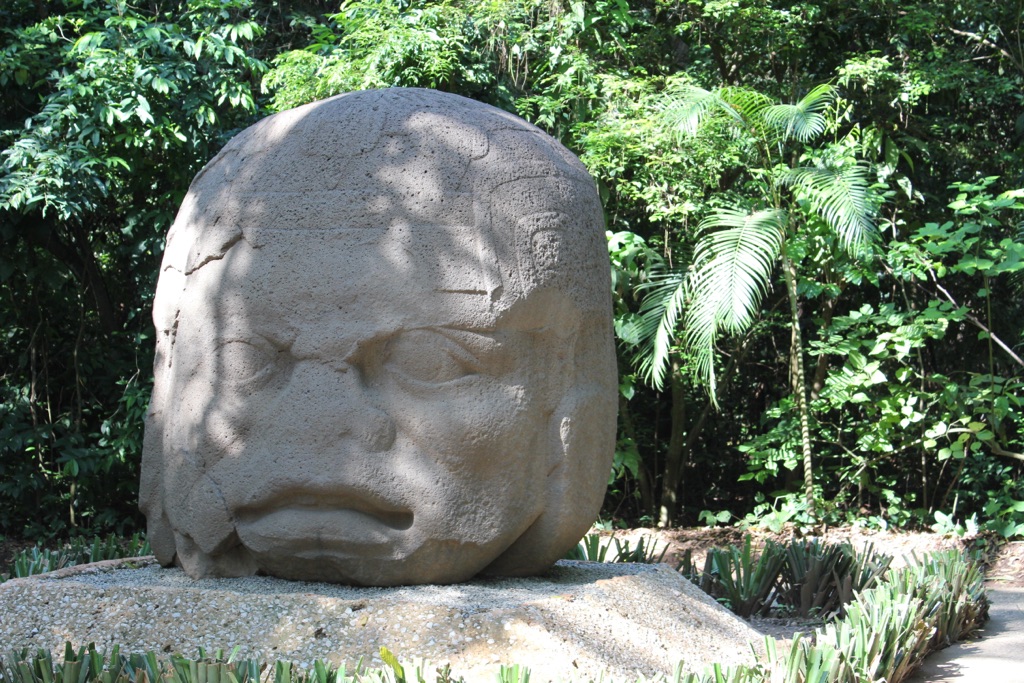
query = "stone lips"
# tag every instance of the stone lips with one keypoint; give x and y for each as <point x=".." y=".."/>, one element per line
<point x="384" y="349"/>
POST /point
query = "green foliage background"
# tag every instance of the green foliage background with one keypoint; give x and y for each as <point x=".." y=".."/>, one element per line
<point x="914" y="376"/>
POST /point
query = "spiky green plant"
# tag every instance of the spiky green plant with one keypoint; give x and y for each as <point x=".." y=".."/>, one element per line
<point x="644" y="552"/>
<point x="591" y="548"/>
<point x="867" y="569"/>
<point x="746" y="583"/>
<point x="804" y="662"/>
<point x="819" y="578"/>
<point x="513" y="674"/>
<point x="811" y="575"/>
<point x="952" y="589"/>
<point x="884" y="636"/>
<point x="36" y="560"/>
<point x="688" y="568"/>
<point x="598" y="548"/>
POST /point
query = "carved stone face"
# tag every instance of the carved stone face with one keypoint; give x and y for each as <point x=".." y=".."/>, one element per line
<point x="385" y="352"/>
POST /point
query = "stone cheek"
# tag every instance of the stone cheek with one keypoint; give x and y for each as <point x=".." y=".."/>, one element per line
<point x="384" y="350"/>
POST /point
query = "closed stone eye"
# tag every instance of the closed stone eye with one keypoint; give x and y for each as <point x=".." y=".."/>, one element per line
<point x="242" y="362"/>
<point x="428" y="357"/>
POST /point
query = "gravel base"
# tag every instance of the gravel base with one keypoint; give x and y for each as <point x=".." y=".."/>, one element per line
<point x="578" y="621"/>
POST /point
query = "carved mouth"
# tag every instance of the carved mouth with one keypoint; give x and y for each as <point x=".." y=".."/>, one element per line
<point x="301" y="519"/>
<point x="344" y="499"/>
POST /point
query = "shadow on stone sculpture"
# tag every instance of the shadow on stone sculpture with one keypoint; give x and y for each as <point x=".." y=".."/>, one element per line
<point x="384" y="349"/>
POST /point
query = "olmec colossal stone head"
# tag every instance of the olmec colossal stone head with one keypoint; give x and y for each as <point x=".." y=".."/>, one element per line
<point x="384" y="349"/>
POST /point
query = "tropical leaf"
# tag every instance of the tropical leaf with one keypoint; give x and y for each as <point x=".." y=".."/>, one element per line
<point x="843" y="198"/>
<point x="804" y="120"/>
<point x="660" y="310"/>
<point x="686" y="107"/>
<point x="733" y="264"/>
<point x="748" y="106"/>
<point x="734" y="261"/>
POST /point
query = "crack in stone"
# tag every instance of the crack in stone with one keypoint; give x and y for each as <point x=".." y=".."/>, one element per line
<point x="218" y="253"/>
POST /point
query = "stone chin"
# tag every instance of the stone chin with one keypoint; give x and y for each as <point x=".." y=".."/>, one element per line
<point x="433" y="562"/>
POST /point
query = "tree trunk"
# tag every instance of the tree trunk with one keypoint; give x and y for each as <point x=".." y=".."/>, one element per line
<point x="669" y="508"/>
<point x="799" y="382"/>
<point x="679" y="454"/>
<point x="110" y="320"/>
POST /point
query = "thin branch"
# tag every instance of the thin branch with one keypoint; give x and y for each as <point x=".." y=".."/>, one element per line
<point x="998" y="450"/>
<point x="985" y="41"/>
<point x="992" y="444"/>
<point x="977" y="323"/>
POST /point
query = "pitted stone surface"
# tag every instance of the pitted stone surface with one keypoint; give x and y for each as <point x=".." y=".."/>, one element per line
<point x="578" y="621"/>
<point x="384" y="349"/>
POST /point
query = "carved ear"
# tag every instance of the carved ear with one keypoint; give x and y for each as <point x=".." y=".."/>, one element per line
<point x="586" y="435"/>
<point x="580" y="429"/>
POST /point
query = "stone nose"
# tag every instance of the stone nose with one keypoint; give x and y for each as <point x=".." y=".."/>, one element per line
<point x="377" y="432"/>
<point x="330" y="402"/>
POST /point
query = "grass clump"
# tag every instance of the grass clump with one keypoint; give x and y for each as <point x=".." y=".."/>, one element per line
<point x="803" y="578"/>
<point x="885" y="633"/>
<point x="79" y="550"/>
<point x="597" y="548"/>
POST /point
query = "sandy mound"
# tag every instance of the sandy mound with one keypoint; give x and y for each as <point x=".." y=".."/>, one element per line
<point x="575" y="622"/>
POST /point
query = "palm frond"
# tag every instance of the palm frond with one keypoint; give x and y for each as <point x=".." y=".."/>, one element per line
<point x="659" y="314"/>
<point x="733" y="263"/>
<point x="804" y="120"/>
<point x="749" y="105"/>
<point x="844" y="199"/>
<point x="735" y="258"/>
<point x="686" y="107"/>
